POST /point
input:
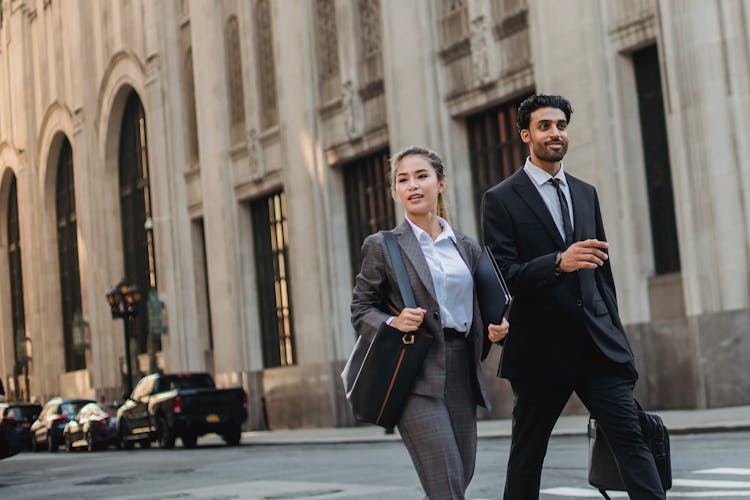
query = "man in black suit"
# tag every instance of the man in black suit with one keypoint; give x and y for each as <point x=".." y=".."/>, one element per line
<point x="545" y="229"/>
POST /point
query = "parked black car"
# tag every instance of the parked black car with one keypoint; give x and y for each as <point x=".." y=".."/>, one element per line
<point x="19" y="416"/>
<point x="164" y="407"/>
<point x="93" y="428"/>
<point x="47" y="430"/>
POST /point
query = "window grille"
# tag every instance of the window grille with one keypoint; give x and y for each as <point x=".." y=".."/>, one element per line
<point x="369" y="204"/>
<point x="495" y="147"/>
<point x="271" y="243"/>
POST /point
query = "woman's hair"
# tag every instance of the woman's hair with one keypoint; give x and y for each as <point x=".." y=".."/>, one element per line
<point x="433" y="159"/>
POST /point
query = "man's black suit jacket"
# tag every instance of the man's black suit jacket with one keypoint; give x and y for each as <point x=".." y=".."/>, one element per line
<point x="551" y="314"/>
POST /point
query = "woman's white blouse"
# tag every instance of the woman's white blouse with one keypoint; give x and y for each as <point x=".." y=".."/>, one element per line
<point x="454" y="284"/>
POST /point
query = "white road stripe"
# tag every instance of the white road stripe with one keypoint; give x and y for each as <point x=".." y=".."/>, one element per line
<point x="724" y="470"/>
<point x="708" y="483"/>
<point x="591" y="493"/>
<point x="581" y="492"/>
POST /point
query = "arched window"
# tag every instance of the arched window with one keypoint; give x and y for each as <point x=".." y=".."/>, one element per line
<point x="371" y="65"/>
<point x="192" y="126"/>
<point x="328" y="50"/>
<point x="135" y="209"/>
<point x="234" y="79"/>
<point x="269" y="115"/>
<point x="454" y="23"/>
<point x="67" y="251"/>
<point x="16" y="281"/>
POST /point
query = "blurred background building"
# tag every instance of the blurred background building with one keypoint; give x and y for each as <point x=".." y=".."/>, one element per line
<point x="229" y="157"/>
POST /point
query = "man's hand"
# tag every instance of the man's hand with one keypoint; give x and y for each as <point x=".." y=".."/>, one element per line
<point x="409" y="319"/>
<point x="498" y="332"/>
<point x="585" y="254"/>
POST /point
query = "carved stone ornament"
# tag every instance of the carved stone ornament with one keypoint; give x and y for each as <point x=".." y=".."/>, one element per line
<point x="255" y="156"/>
<point x="353" y="111"/>
<point x="480" y="40"/>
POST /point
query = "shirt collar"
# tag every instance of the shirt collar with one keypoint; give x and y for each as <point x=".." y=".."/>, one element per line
<point x="421" y="233"/>
<point x="540" y="176"/>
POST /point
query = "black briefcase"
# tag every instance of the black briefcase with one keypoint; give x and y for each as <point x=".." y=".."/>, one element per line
<point x="604" y="472"/>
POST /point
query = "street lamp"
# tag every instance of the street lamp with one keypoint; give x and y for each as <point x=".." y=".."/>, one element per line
<point x="123" y="299"/>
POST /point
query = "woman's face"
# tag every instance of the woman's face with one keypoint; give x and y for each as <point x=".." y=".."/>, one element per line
<point x="417" y="186"/>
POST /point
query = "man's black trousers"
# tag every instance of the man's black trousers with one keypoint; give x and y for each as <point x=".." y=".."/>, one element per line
<point x="606" y="388"/>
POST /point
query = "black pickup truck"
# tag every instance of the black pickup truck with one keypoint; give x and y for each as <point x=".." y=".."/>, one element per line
<point x="164" y="407"/>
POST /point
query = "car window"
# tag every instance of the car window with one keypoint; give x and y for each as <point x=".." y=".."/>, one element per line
<point x="70" y="409"/>
<point x="192" y="381"/>
<point x="27" y="412"/>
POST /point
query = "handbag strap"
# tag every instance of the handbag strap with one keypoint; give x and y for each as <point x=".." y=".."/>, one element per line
<point x="402" y="277"/>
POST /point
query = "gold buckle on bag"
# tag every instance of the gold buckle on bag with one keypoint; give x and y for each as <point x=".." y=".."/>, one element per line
<point x="408" y="339"/>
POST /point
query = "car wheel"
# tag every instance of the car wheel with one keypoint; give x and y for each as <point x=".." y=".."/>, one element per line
<point x="189" y="440"/>
<point x="90" y="445"/>
<point x="145" y="443"/>
<point x="233" y="437"/>
<point x="68" y="444"/>
<point x="166" y="434"/>
<point x="51" y="444"/>
<point x="127" y="443"/>
<point x="34" y="444"/>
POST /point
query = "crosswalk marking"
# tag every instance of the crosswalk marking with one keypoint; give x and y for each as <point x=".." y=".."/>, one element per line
<point x="592" y="493"/>
<point x="725" y="470"/>
<point x="681" y="487"/>
<point x="710" y="483"/>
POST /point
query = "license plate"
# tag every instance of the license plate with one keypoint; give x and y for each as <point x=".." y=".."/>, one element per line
<point x="212" y="418"/>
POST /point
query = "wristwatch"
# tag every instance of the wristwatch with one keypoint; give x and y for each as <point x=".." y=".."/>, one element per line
<point x="558" y="259"/>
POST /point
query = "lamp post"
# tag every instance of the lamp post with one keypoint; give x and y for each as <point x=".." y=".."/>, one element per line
<point x="123" y="299"/>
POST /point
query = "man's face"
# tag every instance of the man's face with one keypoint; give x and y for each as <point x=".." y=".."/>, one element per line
<point x="547" y="136"/>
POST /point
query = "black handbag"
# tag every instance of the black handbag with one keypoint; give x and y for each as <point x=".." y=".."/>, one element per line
<point x="604" y="472"/>
<point x="379" y="375"/>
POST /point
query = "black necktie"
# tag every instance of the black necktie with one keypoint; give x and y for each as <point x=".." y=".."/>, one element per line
<point x="567" y="226"/>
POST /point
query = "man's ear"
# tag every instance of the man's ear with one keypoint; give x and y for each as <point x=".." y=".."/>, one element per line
<point x="525" y="136"/>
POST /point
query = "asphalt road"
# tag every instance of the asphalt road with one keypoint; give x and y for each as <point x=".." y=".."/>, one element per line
<point x="704" y="466"/>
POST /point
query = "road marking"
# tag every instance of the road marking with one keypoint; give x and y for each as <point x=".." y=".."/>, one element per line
<point x="591" y="493"/>
<point x="708" y="483"/>
<point x="724" y="470"/>
<point x="581" y="493"/>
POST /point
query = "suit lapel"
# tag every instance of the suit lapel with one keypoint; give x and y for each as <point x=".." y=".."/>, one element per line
<point x="580" y="204"/>
<point x="530" y="195"/>
<point x="462" y="251"/>
<point x="409" y="244"/>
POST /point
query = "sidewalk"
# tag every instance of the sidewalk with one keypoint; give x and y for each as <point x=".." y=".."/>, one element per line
<point x="677" y="421"/>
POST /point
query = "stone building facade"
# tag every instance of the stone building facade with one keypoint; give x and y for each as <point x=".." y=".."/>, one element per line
<point x="231" y="155"/>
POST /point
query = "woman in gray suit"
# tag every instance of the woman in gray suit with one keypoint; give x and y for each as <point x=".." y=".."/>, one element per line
<point x="438" y="424"/>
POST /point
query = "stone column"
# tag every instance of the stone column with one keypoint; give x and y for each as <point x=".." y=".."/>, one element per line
<point x="706" y="52"/>
<point x="219" y="204"/>
<point x="413" y="105"/>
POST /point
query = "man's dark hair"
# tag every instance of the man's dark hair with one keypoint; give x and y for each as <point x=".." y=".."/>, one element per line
<point x="537" y="101"/>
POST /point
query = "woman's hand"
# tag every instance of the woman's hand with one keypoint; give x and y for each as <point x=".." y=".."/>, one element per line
<point x="497" y="332"/>
<point x="409" y="319"/>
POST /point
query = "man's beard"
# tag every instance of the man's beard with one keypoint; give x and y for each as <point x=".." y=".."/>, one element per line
<point x="548" y="155"/>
